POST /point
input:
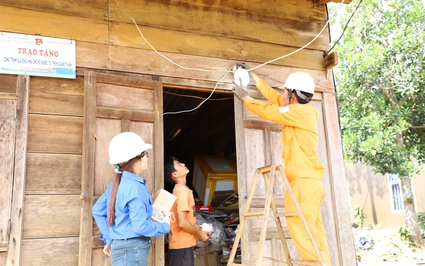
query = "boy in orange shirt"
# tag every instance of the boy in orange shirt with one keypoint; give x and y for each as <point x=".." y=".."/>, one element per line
<point x="185" y="232"/>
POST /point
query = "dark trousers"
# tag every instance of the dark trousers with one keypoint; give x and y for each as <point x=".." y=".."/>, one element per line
<point x="181" y="257"/>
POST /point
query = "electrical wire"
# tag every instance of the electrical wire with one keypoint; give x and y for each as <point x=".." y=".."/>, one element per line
<point x="212" y="92"/>
<point x="196" y="97"/>
<point x="210" y="70"/>
<point x="153" y="48"/>
<point x="293" y="52"/>
<point x="345" y="27"/>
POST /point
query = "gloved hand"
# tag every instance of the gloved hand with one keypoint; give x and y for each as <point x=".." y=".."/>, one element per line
<point x="242" y="65"/>
<point x="239" y="90"/>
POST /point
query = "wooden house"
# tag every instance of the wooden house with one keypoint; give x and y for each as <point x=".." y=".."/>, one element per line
<point x="132" y="58"/>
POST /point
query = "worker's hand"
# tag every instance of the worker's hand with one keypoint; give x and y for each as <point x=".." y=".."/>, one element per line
<point x="242" y="65"/>
<point x="169" y="218"/>
<point x="107" y="250"/>
<point x="204" y="236"/>
<point x="239" y="90"/>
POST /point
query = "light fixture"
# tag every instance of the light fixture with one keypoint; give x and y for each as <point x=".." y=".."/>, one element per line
<point x="242" y="74"/>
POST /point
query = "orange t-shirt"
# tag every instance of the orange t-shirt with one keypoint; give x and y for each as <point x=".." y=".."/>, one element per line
<point x="177" y="237"/>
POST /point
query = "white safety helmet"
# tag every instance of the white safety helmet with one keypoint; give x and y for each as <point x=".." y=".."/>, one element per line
<point x="300" y="81"/>
<point x="126" y="146"/>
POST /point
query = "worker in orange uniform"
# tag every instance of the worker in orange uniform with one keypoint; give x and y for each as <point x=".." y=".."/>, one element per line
<point x="302" y="167"/>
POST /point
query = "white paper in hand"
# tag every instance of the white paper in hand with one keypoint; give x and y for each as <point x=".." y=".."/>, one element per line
<point x="162" y="205"/>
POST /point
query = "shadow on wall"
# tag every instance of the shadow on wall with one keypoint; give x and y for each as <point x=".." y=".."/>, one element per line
<point x="363" y="183"/>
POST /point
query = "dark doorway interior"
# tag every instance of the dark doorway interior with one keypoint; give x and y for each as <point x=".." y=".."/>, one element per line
<point x="207" y="130"/>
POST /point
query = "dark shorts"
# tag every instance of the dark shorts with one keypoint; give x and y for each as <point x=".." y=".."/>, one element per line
<point x="180" y="257"/>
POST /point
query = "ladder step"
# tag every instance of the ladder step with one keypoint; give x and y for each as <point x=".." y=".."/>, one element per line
<point x="306" y="262"/>
<point x="253" y="214"/>
<point x="282" y="214"/>
<point x="279" y="214"/>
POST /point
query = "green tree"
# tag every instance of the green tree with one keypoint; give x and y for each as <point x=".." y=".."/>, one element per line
<point x="381" y="90"/>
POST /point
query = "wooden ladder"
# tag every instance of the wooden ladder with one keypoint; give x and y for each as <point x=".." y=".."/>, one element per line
<point x="269" y="173"/>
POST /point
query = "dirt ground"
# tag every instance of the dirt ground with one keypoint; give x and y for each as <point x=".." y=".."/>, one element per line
<point x="387" y="249"/>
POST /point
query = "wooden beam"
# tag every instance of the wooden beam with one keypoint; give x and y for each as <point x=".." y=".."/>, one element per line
<point x="324" y="2"/>
<point x="331" y="60"/>
<point x="339" y="191"/>
<point x="87" y="184"/>
<point x="15" y="240"/>
<point x="8" y="96"/>
<point x="133" y="115"/>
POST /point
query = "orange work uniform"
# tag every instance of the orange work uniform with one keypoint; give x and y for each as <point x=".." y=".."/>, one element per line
<point x="302" y="167"/>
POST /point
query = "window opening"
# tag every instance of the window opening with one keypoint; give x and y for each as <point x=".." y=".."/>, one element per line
<point x="396" y="195"/>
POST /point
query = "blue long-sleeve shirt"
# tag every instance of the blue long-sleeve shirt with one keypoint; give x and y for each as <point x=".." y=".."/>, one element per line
<point x="133" y="211"/>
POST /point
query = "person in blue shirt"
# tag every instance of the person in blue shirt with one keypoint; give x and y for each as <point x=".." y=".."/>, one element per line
<point x="123" y="212"/>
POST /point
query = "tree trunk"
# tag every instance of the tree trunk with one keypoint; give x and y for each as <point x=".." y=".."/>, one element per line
<point x="410" y="212"/>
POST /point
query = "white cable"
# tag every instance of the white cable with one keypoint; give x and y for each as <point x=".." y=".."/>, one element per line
<point x="212" y="92"/>
<point x="291" y="53"/>
<point x="153" y="48"/>
<point x="208" y="70"/>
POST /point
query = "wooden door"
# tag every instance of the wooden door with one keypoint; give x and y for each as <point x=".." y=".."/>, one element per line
<point x="14" y="93"/>
<point x="7" y="147"/>
<point x="113" y="104"/>
<point x="258" y="144"/>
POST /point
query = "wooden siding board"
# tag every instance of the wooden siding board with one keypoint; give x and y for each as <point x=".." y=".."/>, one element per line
<point x="8" y="83"/>
<point x="215" y="68"/>
<point x="105" y="129"/>
<point x="53" y="174"/>
<point x="21" y="140"/>
<point x="55" y="104"/>
<point x="53" y="25"/>
<point x="125" y="79"/>
<point x="52" y="251"/>
<point x="273" y="8"/>
<point x="154" y="64"/>
<point x="55" y="134"/>
<point x="218" y="22"/>
<point x="51" y="216"/>
<point x="113" y="96"/>
<point x="73" y="87"/>
<point x="92" y="55"/>
<point x="125" y="114"/>
<point x="211" y="46"/>
<point x="79" y="8"/>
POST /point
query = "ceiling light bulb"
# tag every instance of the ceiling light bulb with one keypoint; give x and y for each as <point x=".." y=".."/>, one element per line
<point x="243" y="74"/>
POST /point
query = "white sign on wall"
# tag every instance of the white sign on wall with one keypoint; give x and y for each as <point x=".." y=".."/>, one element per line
<point x="22" y="54"/>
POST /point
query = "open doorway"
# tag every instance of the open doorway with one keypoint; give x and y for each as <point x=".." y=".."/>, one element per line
<point x="207" y="130"/>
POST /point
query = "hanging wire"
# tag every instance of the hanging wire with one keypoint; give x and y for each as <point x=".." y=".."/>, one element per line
<point x="345" y="27"/>
<point x="212" y="92"/>
<point x="210" y="70"/>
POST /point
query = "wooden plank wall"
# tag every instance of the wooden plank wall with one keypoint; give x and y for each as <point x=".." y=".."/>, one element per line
<point x="53" y="185"/>
<point x="195" y="34"/>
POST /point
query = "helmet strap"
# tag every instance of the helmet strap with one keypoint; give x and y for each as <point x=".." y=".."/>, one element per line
<point x="290" y="95"/>
<point x="302" y="96"/>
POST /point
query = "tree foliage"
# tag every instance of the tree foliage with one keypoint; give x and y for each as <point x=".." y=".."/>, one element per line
<point x="381" y="85"/>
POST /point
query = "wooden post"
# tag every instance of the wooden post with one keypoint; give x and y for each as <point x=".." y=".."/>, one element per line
<point x="21" y="141"/>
